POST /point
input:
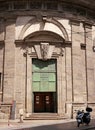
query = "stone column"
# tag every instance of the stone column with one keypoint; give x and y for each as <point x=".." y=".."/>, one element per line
<point x="9" y="61"/>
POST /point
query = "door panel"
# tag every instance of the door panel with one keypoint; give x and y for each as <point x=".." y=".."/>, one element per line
<point x="48" y="103"/>
<point x="38" y="102"/>
<point x="44" y="75"/>
<point x="43" y="102"/>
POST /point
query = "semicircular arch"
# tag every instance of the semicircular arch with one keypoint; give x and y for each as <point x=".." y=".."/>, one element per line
<point x="50" y="24"/>
<point x="44" y="36"/>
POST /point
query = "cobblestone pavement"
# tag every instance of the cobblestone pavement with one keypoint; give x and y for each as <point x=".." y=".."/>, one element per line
<point x="44" y="125"/>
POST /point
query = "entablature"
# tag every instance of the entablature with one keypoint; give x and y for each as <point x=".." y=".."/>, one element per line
<point x="80" y="10"/>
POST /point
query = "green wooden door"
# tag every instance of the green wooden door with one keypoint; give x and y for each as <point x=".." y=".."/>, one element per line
<point x="44" y="75"/>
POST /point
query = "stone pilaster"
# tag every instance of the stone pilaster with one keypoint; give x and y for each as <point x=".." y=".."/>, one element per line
<point x="68" y="75"/>
<point x="78" y="78"/>
<point x="68" y="72"/>
<point x="9" y="61"/>
<point x="63" y="81"/>
<point x="90" y="61"/>
<point x="28" y="85"/>
<point x="61" y="84"/>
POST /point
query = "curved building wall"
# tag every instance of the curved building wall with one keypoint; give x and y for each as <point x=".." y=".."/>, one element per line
<point x="46" y="55"/>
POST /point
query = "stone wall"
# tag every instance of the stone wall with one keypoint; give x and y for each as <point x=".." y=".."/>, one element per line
<point x="73" y="49"/>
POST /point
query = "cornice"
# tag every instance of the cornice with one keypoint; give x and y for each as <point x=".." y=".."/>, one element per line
<point x="85" y="3"/>
<point x="81" y="9"/>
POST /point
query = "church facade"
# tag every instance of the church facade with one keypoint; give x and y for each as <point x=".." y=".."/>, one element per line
<point x="47" y="58"/>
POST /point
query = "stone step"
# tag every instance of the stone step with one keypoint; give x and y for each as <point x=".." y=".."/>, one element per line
<point x="44" y="116"/>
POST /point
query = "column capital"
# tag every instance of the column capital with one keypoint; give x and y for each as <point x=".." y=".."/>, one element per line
<point x="75" y="22"/>
<point x="87" y="25"/>
<point x="11" y="20"/>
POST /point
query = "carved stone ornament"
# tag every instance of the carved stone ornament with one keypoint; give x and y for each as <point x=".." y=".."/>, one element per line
<point x="44" y="50"/>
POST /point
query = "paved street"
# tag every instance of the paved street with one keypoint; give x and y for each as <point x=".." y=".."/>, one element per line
<point x="46" y="125"/>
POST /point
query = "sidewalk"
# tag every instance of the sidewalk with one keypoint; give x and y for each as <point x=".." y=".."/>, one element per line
<point x="15" y="125"/>
<point x="11" y="124"/>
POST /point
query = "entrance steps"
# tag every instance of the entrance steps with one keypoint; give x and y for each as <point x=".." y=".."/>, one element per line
<point x="44" y="116"/>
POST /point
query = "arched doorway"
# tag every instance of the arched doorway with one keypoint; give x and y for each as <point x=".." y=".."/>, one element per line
<point x="45" y="53"/>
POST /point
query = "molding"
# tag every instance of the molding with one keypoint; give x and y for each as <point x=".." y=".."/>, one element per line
<point x="2" y="42"/>
<point x="68" y="43"/>
<point x="87" y="24"/>
<point x="10" y="19"/>
<point x="75" y="22"/>
<point x="19" y="41"/>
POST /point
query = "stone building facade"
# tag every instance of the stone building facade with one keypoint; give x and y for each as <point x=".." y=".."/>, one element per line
<point x="47" y="58"/>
